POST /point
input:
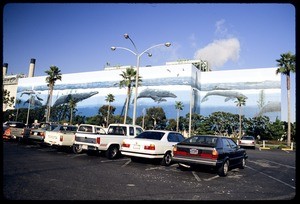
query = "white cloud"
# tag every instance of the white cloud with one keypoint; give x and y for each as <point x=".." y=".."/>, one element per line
<point x="192" y="39"/>
<point x="219" y="52"/>
<point x="221" y="28"/>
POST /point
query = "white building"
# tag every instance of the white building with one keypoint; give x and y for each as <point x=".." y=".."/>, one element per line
<point x="206" y="91"/>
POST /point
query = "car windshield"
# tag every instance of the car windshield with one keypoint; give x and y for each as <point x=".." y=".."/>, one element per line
<point x="201" y="140"/>
<point x="151" y="135"/>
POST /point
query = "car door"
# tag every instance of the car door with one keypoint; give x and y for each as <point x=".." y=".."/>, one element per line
<point x="235" y="154"/>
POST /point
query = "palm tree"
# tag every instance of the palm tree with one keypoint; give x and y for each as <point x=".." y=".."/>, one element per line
<point x="287" y="64"/>
<point x="53" y="75"/>
<point x="18" y="102"/>
<point x="178" y="106"/>
<point x="72" y="105"/>
<point x="241" y="101"/>
<point x="109" y="98"/>
<point x="127" y="81"/>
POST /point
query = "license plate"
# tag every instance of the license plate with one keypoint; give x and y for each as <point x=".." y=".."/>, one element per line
<point x="193" y="151"/>
<point x="136" y="146"/>
<point x="84" y="147"/>
<point x="35" y="133"/>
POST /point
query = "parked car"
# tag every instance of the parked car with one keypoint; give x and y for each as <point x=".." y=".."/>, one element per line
<point x="247" y="141"/>
<point x="61" y="136"/>
<point x="13" y="130"/>
<point x="152" y="144"/>
<point x="37" y="131"/>
<point x="219" y="152"/>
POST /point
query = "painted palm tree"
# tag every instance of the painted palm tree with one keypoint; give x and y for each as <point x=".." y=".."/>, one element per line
<point x="109" y="98"/>
<point x="72" y="105"/>
<point x="53" y="75"/>
<point x="178" y="106"/>
<point x="18" y="102"/>
<point x="241" y="101"/>
<point x="286" y="65"/>
<point x="128" y="79"/>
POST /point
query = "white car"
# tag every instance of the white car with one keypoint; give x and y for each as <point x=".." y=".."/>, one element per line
<point x="152" y="144"/>
<point x="62" y="135"/>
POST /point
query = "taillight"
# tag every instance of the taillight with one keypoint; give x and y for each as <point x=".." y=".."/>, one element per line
<point x="61" y="138"/>
<point x="214" y="154"/>
<point x="149" y="147"/>
<point x="7" y="131"/>
<point x="98" y="140"/>
<point x="42" y="134"/>
<point x="125" y="145"/>
<point x="175" y="148"/>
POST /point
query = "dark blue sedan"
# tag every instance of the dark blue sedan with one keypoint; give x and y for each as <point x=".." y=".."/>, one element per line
<point x="219" y="152"/>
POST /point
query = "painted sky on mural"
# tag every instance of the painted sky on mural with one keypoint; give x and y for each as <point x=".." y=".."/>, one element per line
<point x="78" y="37"/>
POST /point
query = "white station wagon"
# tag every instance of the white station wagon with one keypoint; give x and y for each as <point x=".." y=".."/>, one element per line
<point x="152" y="144"/>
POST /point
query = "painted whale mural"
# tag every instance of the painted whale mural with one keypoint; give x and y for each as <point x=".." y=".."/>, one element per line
<point x="35" y="102"/>
<point x="77" y="97"/>
<point x="229" y="95"/>
<point x="156" y="95"/>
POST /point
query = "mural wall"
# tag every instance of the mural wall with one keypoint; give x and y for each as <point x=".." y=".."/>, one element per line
<point x="162" y="86"/>
<point x="260" y="87"/>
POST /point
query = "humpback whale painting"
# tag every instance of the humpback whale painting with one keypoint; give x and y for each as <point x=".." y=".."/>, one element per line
<point x="77" y="97"/>
<point x="229" y="95"/>
<point x="156" y="95"/>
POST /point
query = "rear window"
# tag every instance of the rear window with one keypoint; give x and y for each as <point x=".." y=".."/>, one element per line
<point x="15" y="124"/>
<point x="248" y="138"/>
<point x="85" y="128"/>
<point x="116" y="130"/>
<point x="201" y="140"/>
<point x="151" y="135"/>
<point x="68" y="128"/>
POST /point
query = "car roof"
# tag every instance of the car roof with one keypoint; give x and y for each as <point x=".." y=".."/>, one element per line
<point x="165" y="131"/>
<point x="221" y="136"/>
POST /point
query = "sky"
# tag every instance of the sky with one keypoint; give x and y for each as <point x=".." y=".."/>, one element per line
<point x="77" y="37"/>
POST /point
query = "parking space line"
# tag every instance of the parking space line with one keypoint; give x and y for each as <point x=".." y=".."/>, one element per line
<point x="288" y="166"/>
<point x="114" y="160"/>
<point x="211" y="178"/>
<point x="196" y="176"/>
<point x="271" y="177"/>
<point x="126" y="163"/>
<point x="78" y="155"/>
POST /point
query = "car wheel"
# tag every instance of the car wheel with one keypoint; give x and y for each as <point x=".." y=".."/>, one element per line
<point x="112" y="152"/>
<point x="77" y="149"/>
<point x="167" y="159"/>
<point x="223" y="170"/>
<point x="243" y="163"/>
<point x="134" y="159"/>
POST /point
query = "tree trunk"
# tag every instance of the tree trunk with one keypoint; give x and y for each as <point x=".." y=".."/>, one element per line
<point x="49" y="103"/>
<point x="108" y="114"/>
<point x="289" y="111"/>
<point x="177" y="128"/>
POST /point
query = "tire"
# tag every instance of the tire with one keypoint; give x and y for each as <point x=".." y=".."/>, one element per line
<point x="167" y="159"/>
<point x="112" y="152"/>
<point x="134" y="159"/>
<point x="223" y="170"/>
<point x="77" y="149"/>
<point x="243" y="163"/>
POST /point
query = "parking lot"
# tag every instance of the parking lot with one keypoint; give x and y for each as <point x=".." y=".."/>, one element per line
<point x="32" y="172"/>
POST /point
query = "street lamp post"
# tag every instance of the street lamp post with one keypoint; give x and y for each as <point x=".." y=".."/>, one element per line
<point x="138" y="56"/>
<point x="190" y="118"/>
